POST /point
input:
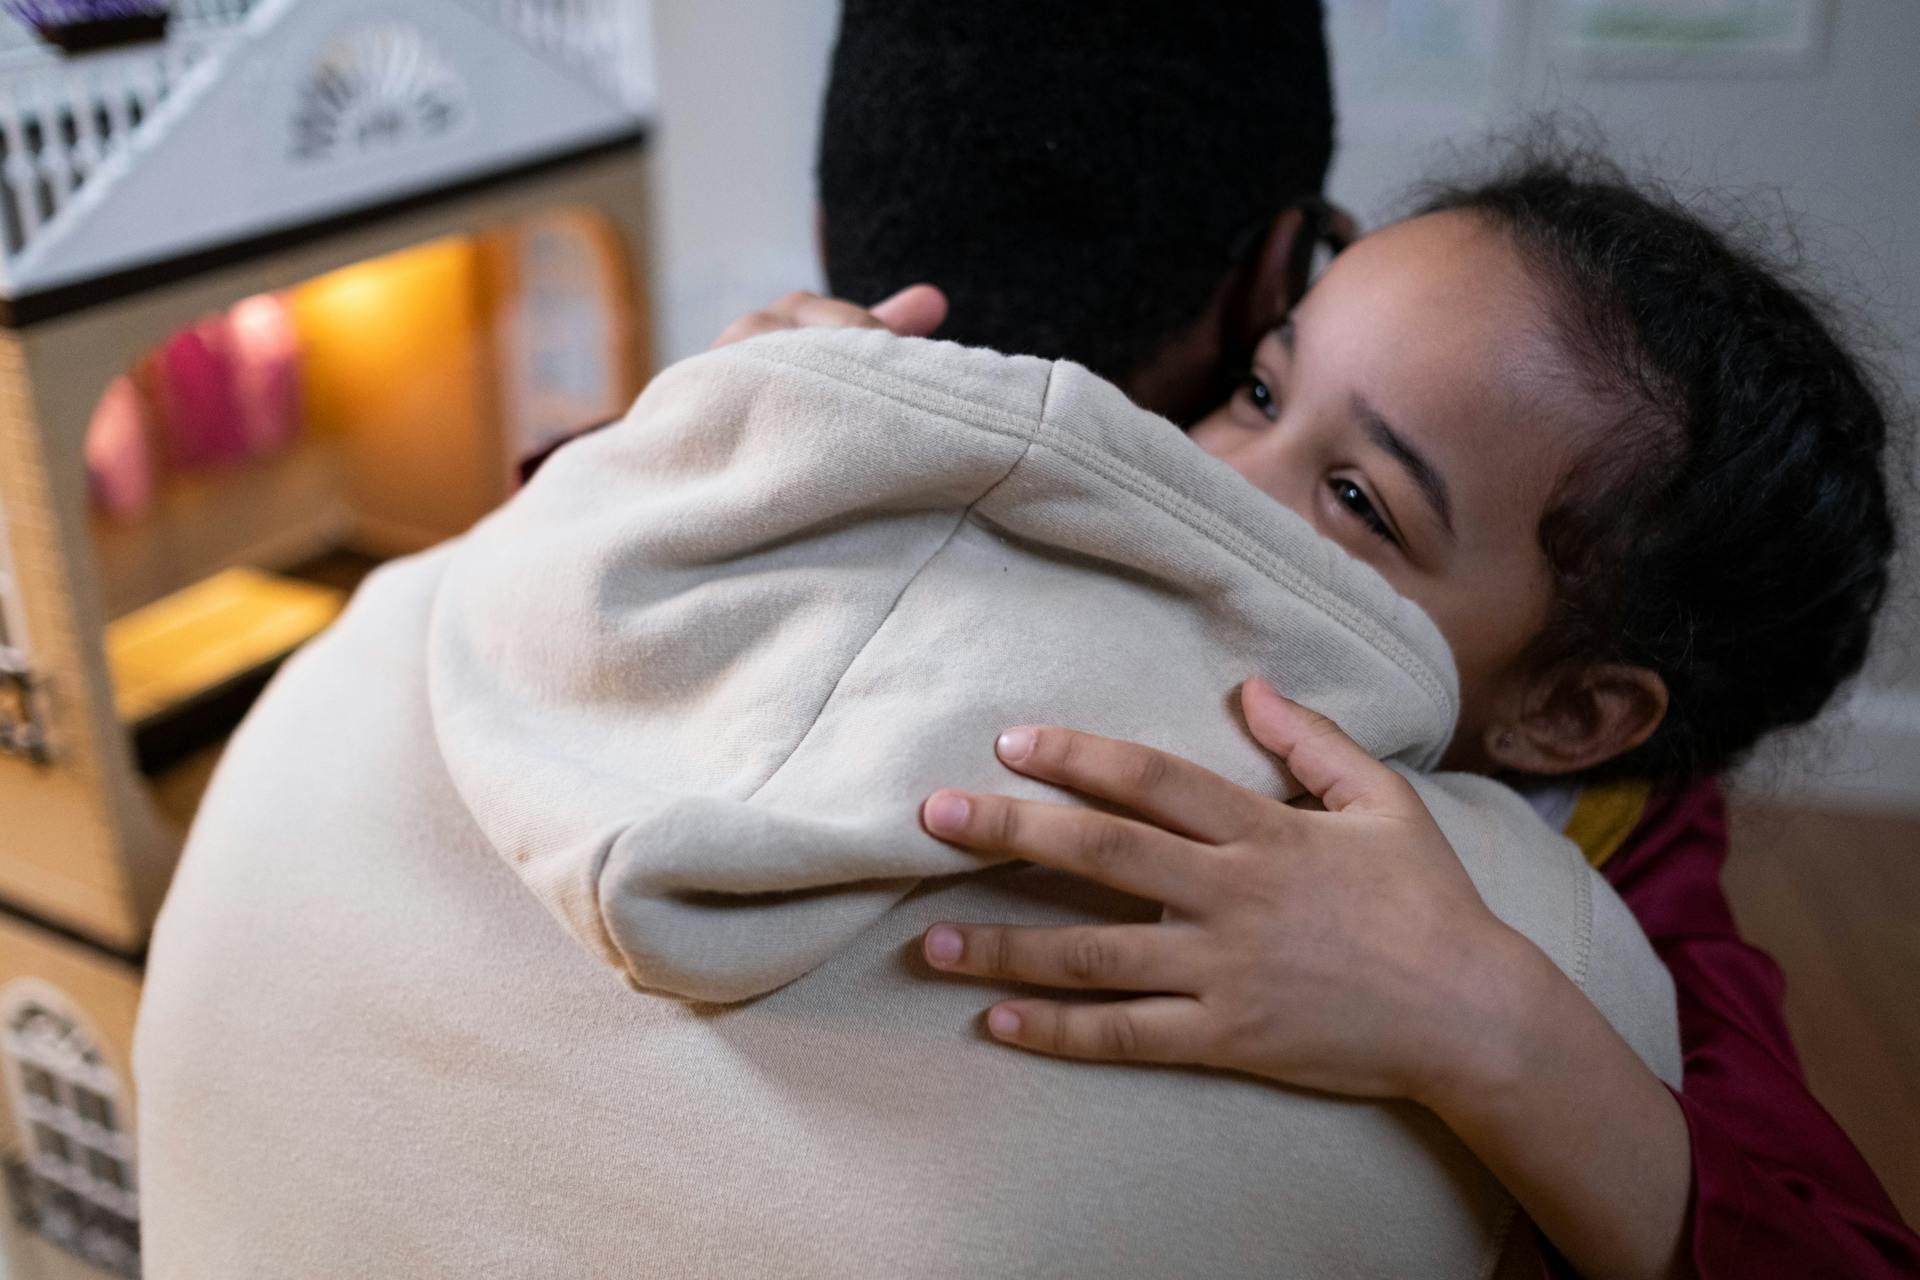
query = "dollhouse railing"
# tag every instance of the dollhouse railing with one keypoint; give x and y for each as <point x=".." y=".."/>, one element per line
<point x="188" y="17"/>
<point x="61" y="116"/>
<point x="20" y="728"/>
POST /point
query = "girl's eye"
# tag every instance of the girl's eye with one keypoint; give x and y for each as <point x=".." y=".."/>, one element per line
<point x="1354" y="498"/>
<point x="1261" y="397"/>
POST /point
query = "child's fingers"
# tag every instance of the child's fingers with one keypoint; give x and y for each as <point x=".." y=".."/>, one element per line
<point x="1172" y="792"/>
<point x="1129" y="856"/>
<point x="1329" y="764"/>
<point x="914" y="312"/>
<point x="811" y="311"/>
<point x="1151" y="1029"/>
<point x="803" y="310"/>
<point x="1122" y="957"/>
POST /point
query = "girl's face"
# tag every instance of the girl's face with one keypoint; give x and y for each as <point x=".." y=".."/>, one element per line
<point x="1417" y="409"/>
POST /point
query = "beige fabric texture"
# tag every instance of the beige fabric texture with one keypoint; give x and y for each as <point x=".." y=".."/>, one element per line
<point x="554" y="914"/>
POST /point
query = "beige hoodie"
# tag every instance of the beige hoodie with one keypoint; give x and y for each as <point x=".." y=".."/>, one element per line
<point x="683" y="696"/>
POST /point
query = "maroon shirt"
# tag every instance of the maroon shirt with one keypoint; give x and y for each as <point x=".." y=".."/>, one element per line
<point x="1778" y="1190"/>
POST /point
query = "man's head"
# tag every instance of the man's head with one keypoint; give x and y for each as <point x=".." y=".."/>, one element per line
<point x="1096" y="181"/>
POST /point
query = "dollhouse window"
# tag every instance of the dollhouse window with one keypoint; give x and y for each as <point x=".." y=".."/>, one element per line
<point x="92" y="1107"/>
<point x="51" y="1143"/>
<point x="73" y="1180"/>
<point x="20" y="731"/>
<point x="38" y="1083"/>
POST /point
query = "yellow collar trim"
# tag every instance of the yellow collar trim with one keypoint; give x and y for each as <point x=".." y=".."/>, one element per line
<point x="1604" y="816"/>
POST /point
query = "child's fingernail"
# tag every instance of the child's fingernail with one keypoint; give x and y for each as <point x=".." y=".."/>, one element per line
<point x="1004" y="1023"/>
<point x="944" y="945"/>
<point x="1015" y="745"/>
<point x="947" y="811"/>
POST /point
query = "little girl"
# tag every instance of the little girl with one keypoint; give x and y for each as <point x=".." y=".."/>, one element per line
<point x="1638" y="484"/>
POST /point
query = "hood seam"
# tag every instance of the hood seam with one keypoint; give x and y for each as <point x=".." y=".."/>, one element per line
<point x="901" y="389"/>
<point x="960" y="522"/>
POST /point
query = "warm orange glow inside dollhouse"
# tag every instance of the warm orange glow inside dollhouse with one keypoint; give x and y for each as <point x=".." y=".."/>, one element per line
<point x="245" y="472"/>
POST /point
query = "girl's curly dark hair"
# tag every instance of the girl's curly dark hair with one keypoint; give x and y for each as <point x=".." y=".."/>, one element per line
<point x="1732" y="532"/>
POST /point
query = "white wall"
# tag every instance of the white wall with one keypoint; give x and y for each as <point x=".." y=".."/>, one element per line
<point x="740" y="87"/>
<point x="1837" y="144"/>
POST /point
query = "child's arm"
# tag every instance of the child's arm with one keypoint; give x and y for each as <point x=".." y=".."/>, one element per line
<point x="1345" y="951"/>
<point x="1745" y="1176"/>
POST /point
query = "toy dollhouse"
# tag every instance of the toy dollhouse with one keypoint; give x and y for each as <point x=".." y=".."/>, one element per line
<point x="286" y="288"/>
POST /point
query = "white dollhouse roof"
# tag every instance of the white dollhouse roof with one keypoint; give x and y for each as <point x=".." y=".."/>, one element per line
<point x="259" y="117"/>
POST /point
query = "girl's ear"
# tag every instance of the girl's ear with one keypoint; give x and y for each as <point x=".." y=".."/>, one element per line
<point x="1577" y="718"/>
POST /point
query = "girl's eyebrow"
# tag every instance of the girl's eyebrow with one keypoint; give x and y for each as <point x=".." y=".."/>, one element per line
<point x="1425" y="476"/>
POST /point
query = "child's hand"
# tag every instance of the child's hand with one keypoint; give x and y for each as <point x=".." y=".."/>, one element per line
<point x="1343" y="949"/>
<point x="914" y="312"/>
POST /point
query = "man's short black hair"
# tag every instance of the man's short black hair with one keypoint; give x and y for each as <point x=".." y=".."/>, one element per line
<point x="1077" y="175"/>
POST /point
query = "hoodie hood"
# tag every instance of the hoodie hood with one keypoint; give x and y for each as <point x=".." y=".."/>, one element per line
<point x="694" y="682"/>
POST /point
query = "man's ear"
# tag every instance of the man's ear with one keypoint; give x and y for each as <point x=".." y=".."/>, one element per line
<point x="1192" y="370"/>
<point x="1275" y="276"/>
<point x="1579" y="717"/>
<point x="1262" y="291"/>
